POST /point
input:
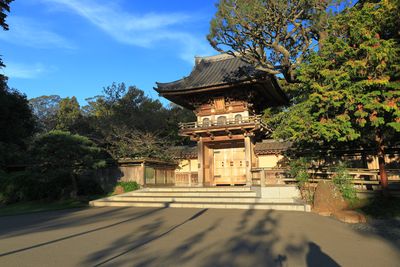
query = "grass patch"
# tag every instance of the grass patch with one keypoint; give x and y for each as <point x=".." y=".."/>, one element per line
<point x="381" y="207"/>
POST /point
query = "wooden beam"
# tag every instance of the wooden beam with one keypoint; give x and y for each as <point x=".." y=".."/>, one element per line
<point x="223" y="138"/>
<point x="247" y="147"/>
<point x="200" y="160"/>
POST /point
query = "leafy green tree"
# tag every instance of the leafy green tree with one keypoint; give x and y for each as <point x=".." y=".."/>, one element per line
<point x="127" y="143"/>
<point x="45" y="109"/>
<point x="140" y="111"/>
<point x="272" y="35"/>
<point x="123" y="117"/>
<point x="351" y="86"/>
<point x="176" y="115"/>
<point x="68" y="114"/>
<point x="16" y="120"/>
<point x="4" y="8"/>
<point x="70" y="154"/>
<point x="16" y="123"/>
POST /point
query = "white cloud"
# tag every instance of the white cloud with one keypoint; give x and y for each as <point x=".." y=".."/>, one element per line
<point x="24" y="31"/>
<point x="25" y="71"/>
<point x="147" y="30"/>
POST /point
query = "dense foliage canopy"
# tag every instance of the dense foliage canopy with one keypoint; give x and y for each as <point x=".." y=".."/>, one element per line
<point x="122" y="120"/>
<point x="347" y="92"/>
<point x="350" y="88"/>
<point x="73" y="154"/>
<point x="16" y="123"/>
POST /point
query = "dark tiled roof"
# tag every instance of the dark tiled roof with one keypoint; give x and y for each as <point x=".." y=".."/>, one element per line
<point x="134" y="161"/>
<point x="184" y="152"/>
<point x="262" y="148"/>
<point x="224" y="75"/>
<point x="211" y="71"/>
<point x="271" y="147"/>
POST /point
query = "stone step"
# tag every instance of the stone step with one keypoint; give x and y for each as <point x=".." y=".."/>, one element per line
<point x="192" y="193"/>
<point x="264" y="206"/>
<point x="222" y="199"/>
<point x="198" y="189"/>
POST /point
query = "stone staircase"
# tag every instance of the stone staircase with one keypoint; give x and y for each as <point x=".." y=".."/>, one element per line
<point x="206" y="197"/>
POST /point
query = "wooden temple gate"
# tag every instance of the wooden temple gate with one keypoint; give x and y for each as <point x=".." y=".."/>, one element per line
<point x="227" y="95"/>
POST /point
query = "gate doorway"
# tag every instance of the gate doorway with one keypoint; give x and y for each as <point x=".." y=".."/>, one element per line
<point x="229" y="166"/>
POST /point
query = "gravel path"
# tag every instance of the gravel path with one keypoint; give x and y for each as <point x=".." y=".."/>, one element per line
<point x="386" y="228"/>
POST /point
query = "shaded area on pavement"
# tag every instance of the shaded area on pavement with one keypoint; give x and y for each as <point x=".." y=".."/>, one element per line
<point x="250" y="243"/>
<point x="79" y="234"/>
<point x="188" y="237"/>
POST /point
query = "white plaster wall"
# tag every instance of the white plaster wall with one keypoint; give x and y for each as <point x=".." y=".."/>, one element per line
<point x="194" y="165"/>
<point x="268" y="161"/>
<point x="228" y="115"/>
<point x="184" y="165"/>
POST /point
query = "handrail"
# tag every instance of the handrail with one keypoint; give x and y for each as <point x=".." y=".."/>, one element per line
<point x="354" y="172"/>
<point x="256" y="119"/>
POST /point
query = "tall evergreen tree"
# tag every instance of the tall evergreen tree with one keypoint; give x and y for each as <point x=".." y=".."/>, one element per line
<point x="68" y="114"/>
<point x="45" y="109"/>
<point x="16" y="120"/>
<point x="351" y="88"/>
<point x="4" y="8"/>
<point x="345" y="92"/>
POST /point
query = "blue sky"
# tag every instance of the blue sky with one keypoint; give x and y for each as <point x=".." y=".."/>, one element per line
<point x="76" y="47"/>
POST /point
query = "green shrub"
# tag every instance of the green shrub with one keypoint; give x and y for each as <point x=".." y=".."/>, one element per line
<point x="382" y="207"/>
<point x="298" y="169"/>
<point x="26" y="185"/>
<point x="16" y="187"/>
<point x="343" y="182"/>
<point x="129" y="186"/>
<point x="49" y="185"/>
<point x="88" y="186"/>
<point x="61" y="159"/>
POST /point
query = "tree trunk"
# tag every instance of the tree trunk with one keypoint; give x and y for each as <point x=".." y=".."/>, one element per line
<point x="74" y="192"/>
<point x="323" y="35"/>
<point x="381" y="162"/>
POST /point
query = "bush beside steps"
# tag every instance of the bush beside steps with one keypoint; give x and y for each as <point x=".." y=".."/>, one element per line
<point x="124" y="187"/>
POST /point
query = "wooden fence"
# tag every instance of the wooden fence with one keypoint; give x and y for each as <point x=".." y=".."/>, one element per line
<point x="186" y="178"/>
<point x="363" y="179"/>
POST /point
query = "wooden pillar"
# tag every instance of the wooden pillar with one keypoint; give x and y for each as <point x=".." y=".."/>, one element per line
<point x="143" y="168"/>
<point x="190" y="172"/>
<point x="247" y="149"/>
<point x="200" y="159"/>
<point x="262" y="177"/>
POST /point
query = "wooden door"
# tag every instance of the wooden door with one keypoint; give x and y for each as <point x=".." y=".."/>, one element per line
<point x="229" y="166"/>
<point x="149" y="175"/>
<point x="238" y="166"/>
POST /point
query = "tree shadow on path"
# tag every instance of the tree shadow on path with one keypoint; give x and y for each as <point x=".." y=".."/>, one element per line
<point x="143" y="240"/>
<point x="142" y="215"/>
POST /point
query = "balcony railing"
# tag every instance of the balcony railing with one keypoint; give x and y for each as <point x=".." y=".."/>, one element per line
<point x="243" y="121"/>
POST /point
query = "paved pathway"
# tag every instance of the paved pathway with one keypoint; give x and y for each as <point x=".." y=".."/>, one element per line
<point x="189" y="237"/>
